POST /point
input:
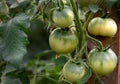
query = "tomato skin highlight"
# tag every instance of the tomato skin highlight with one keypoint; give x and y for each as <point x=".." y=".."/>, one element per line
<point x="102" y="62"/>
<point x="102" y="27"/>
<point x="63" y="42"/>
<point x="73" y="72"/>
<point x="63" y="18"/>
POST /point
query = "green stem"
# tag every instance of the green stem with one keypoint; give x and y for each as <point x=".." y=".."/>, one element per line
<point x="62" y="4"/>
<point x="80" y="53"/>
<point x="52" y="79"/>
<point x="78" y="23"/>
<point x="97" y="41"/>
<point x="59" y="4"/>
<point x="88" y="20"/>
<point x="60" y="79"/>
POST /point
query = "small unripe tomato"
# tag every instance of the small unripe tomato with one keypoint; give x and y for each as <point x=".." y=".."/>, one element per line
<point x="73" y="71"/>
<point x="64" y="17"/>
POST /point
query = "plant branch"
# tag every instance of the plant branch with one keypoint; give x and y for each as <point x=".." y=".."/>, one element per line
<point x="80" y="53"/>
<point x="78" y="23"/>
<point x="97" y="41"/>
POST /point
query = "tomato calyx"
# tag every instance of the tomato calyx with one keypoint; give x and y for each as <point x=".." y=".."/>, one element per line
<point x="65" y="29"/>
<point x="103" y="49"/>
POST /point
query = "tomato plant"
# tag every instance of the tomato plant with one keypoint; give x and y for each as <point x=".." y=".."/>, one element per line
<point x="63" y="17"/>
<point x="102" y="27"/>
<point x="58" y="32"/>
<point x="102" y="62"/>
<point x="73" y="71"/>
<point x="63" y="41"/>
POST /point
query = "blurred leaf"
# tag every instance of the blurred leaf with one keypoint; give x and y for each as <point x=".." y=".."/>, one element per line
<point x="33" y="80"/>
<point x="43" y="53"/>
<point x="17" y="75"/>
<point x="60" y="61"/>
<point x="24" y="77"/>
<point x="14" y="39"/>
<point x="8" y="68"/>
<point x="93" y="8"/>
<point x="22" y="3"/>
<point x="85" y="77"/>
<point x="10" y="80"/>
<point x="14" y="5"/>
<point x="46" y="81"/>
<point x="22" y="22"/>
<point x="110" y="3"/>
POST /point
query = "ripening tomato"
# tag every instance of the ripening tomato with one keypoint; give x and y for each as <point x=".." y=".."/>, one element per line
<point x="102" y="62"/>
<point x="64" y="17"/>
<point x="63" y="41"/>
<point x="102" y="27"/>
<point x="73" y="71"/>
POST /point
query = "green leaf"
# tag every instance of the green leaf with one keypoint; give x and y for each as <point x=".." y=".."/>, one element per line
<point x="10" y="80"/>
<point x="10" y="73"/>
<point x="93" y="8"/>
<point x="8" y="68"/>
<point x="14" y="39"/>
<point x="61" y="61"/>
<point x="22" y="22"/>
<point x="14" y="5"/>
<point x="110" y="3"/>
<point x="85" y="77"/>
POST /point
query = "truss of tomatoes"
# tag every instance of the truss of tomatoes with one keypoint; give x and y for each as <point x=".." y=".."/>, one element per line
<point x="63" y="41"/>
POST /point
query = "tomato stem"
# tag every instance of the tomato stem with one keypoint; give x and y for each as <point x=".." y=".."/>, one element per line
<point x="79" y="54"/>
<point x="60" y="4"/>
<point x="78" y="23"/>
<point x="97" y="41"/>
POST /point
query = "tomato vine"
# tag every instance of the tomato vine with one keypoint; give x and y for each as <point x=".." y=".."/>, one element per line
<point x="71" y="24"/>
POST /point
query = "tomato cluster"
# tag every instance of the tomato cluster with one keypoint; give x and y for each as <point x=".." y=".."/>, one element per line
<point x="64" y="40"/>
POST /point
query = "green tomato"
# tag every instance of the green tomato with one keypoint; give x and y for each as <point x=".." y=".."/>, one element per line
<point x="64" y="17"/>
<point x="73" y="71"/>
<point x="102" y="27"/>
<point x="102" y="62"/>
<point x="63" y="42"/>
<point x="84" y="3"/>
